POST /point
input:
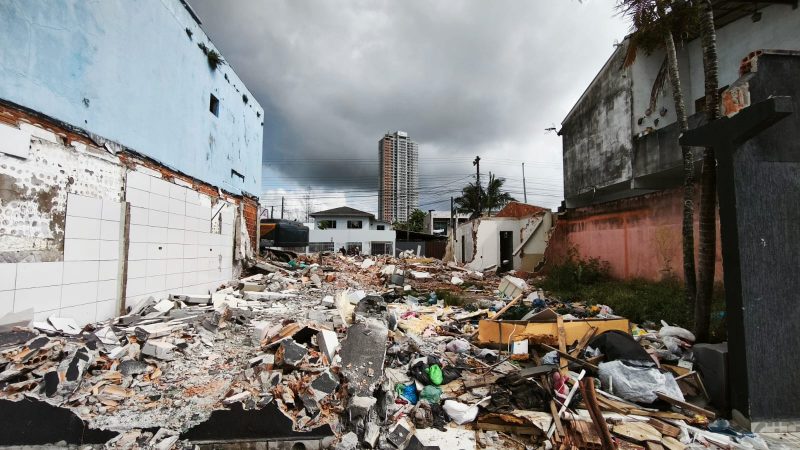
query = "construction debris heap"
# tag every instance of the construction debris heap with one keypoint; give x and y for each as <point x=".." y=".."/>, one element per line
<point x="350" y="352"/>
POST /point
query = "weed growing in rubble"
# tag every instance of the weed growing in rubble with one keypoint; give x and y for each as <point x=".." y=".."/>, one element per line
<point x="450" y="298"/>
<point x="638" y="300"/>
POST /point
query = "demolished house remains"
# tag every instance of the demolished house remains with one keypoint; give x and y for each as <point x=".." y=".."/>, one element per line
<point x="136" y="311"/>
<point x="335" y="351"/>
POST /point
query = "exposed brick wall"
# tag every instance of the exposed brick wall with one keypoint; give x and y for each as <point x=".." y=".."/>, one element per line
<point x="251" y="219"/>
<point x="70" y="136"/>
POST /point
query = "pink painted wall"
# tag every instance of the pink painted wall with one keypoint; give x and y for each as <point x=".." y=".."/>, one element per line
<point x="640" y="237"/>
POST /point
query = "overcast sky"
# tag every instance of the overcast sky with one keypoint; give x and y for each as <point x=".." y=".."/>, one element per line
<point x="463" y="78"/>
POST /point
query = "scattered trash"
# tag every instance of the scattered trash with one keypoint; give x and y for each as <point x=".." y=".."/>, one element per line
<point x="387" y="352"/>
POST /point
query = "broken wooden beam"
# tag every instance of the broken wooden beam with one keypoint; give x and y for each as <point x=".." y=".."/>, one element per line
<point x="685" y="405"/>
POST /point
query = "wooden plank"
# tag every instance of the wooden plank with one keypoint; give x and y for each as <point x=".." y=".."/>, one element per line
<point x="686" y="406"/>
<point x="654" y="446"/>
<point x="515" y="429"/>
<point x="537" y="370"/>
<point x="562" y="345"/>
<point x="507" y="307"/>
<point x="672" y="444"/>
<point x="583" y="342"/>
<point x="599" y="422"/>
<point x="664" y="428"/>
<point x="556" y="418"/>
<point x="638" y="431"/>
<point x="567" y="356"/>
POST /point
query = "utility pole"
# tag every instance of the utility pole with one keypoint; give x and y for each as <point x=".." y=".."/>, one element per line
<point x="452" y="217"/>
<point x="451" y="238"/>
<point x="308" y="202"/>
<point x="524" y="187"/>
<point x="477" y="164"/>
<point x="281" y="207"/>
<point x="272" y="211"/>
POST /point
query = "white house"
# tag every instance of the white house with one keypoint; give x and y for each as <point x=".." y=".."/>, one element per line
<point x="350" y="228"/>
<point x="516" y="238"/>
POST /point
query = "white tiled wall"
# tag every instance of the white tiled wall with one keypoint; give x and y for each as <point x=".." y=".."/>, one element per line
<point x="172" y="248"/>
<point x="84" y="285"/>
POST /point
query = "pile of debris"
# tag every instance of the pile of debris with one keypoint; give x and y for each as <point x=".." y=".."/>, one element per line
<point x="375" y="352"/>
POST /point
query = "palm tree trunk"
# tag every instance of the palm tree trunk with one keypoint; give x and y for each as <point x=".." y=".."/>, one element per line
<point x="708" y="180"/>
<point x="688" y="172"/>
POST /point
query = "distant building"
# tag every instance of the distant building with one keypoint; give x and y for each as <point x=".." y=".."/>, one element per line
<point x="352" y="229"/>
<point x="438" y="222"/>
<point x="399" y="177"/>
<point x="129" y="156"/>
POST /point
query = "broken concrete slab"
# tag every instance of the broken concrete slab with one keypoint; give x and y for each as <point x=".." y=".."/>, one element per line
<point x="16" y="319"/>
<point x="290" y="353"/>
<point x="132" y="367"/>
<point x="328" y="342"/>
<point x="348" y="442"/>
<point x="363" y="352"/>
<point x="325" y="384"/>
<point x="158" y="349"/>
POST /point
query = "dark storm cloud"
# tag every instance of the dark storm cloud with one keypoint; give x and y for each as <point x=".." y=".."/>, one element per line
<point x="462" y="77"/>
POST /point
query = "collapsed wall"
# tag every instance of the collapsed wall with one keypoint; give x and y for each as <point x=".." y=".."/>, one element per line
<point x="88" y="226"/>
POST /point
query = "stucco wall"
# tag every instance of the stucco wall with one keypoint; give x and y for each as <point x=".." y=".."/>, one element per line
<point x="602" y="134"/>
<point x="128" y="71"/>
<point x="481" y="239"/>
<point x="597" y="132"/>
<point x="640" y="237"/>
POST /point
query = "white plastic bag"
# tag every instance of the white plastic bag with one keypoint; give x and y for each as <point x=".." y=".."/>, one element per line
<point x="461" y="413"/>
<point x="638" y="384"/>
<point x="679" y="332"/>
<point x="458" y="346"/>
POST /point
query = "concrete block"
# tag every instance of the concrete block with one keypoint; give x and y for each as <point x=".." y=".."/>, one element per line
<point x="324" y="385"/>
<point x="328" y="343"/>
<point x="158" y="349"/>
<point x="260" y="329"/>
<point x="290" y="353"/>
<point x="109" y="230"/>
<point x="138" y="180"/>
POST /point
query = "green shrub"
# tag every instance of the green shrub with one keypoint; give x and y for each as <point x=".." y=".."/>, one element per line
<point x="638" y="300"/>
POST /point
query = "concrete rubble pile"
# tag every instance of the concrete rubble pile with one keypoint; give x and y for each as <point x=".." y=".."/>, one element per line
<point x="383" y="352"/>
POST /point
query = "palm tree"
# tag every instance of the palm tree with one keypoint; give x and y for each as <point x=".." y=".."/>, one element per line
<point x="495" y="197"/>
<point x="652" y="26"/>
<point x="469" y="200"/>
<point x="491" y="198"/>
<point x="707" y="251"/>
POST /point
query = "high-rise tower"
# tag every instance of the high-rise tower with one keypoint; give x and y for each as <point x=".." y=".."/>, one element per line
<point x="399" y="177"/>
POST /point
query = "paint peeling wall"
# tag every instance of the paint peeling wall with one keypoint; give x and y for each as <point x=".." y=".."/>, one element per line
<point x="34" y="185"/>
<point x="132" y="72"/>
<point x="84" y="232"/>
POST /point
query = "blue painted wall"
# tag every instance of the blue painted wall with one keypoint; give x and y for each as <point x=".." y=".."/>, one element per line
<point x="128" y="71"/>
